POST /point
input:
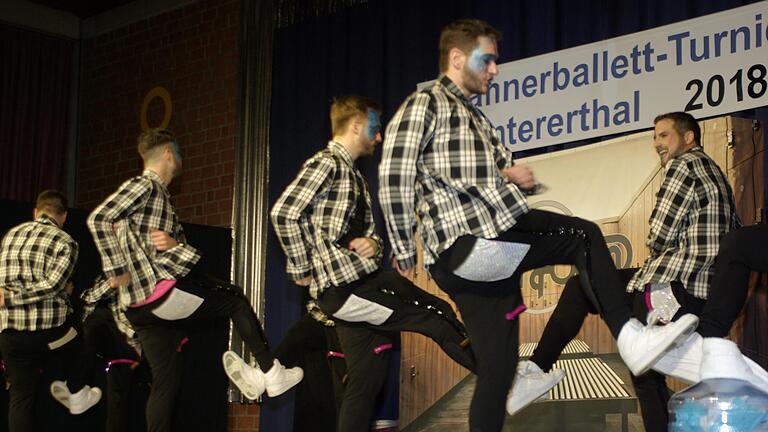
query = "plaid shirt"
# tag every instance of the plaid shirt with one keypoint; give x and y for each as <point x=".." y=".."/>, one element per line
<point x="140" y="206"/>
<point x="36" y="261"/>
<point x="314" y="311"/>
<point x="442" y="158"/>
<point x="694" y="209"/>
<point x="314" y="213"/>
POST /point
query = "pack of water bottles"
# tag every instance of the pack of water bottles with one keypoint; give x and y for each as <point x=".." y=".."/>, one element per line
<point x="720" y="405"/>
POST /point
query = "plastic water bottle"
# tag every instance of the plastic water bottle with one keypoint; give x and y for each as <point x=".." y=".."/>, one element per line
<point x="719" y="405"/>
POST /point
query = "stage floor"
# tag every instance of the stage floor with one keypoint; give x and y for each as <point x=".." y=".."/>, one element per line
<point x="450" y="414"/>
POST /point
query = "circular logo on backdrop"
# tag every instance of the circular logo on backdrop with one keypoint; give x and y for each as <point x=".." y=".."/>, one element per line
<point x="165" y="97"/>
<point x="542" y="287"/>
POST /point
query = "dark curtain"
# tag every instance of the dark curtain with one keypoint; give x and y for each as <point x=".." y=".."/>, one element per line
<point x="35" y="72"/>
<point x="382" y="49"/>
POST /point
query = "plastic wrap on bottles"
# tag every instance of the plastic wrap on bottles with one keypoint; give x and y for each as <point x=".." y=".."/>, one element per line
<point x="719" y="405"/>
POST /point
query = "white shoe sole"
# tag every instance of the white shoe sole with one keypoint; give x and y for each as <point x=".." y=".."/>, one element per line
<point x="285" y="386"/>
<point x="96" y="392"/>
<point x="543" y="394"/>
<point x="233" y="367"/>
<point x="60" y="392"/>
<point x="686" y="325"/>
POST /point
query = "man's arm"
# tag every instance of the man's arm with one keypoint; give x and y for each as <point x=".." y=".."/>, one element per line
<point x="674" y="200"/>
<point x="176" y="258"/>
<point x="64" y="259"/>
<point x="404" y="138"/>
<point x="131" y="196"/>
<point x="312" y="180"/>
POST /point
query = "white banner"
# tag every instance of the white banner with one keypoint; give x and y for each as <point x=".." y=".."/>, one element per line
<point x="707" y="66"/>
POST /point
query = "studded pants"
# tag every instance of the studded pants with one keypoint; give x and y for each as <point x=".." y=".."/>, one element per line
<point x="486" y="307"/>
<point x="406" y="308"/>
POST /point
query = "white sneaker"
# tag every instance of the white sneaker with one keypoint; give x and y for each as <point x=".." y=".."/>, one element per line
<point x="249" y="380"/>
<point x="531" y="384"/>
<point x="79" y="402"/>
<point x="84" y="399"/>
<point x="684" y="361"/>
<point x="641" y="346"/>
<point x="279" y="378"/>
<point x="60" y="392"/>
<point x="721" y="358"/>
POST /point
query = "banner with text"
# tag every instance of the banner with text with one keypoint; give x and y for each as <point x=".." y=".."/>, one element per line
<point x="707" y="66"/>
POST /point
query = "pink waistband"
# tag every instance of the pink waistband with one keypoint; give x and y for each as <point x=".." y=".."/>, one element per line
<point x="111" y="363"/>
<point x="514" y="313"/>
<point x="161" y="288"/>
<point x="381" y="348"/>
<point x="648" y="302"/>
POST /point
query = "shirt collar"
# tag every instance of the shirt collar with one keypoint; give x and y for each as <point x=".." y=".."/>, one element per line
<point x="694" y="149"/>
<point x="341" y="151"/>
<point x="449" y="85"/>
<point x="155" y="177"/>
<point x="46" y="220"/>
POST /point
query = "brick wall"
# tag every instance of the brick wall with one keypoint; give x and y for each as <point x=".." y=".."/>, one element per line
<point x="243" y="418"/>
<point x="193" y="53"/>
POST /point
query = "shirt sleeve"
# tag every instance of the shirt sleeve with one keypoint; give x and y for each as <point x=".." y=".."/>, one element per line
<point x="314" y="178"/>
<point x="405" y="136"/>
<point x="674" y="199"/>
<point x="131" y="196"/>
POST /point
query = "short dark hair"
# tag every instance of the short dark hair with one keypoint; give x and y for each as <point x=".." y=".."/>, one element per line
<point x="682" y="122"/>
<point x="463" y="34"/>
<point x="152" y="139"/>
<point x="52" y="202"/>
<point x="345" y="108"/>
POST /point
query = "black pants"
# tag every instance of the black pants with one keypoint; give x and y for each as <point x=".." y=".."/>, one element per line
<point x="105" y="341"/>
<point x="162" y="340"/>
<point x="554" y="239"/>
<point x="411" y="309"/>
<point x="25" y="353"/>
<point x="567" y="319"/>
<point x="741" y="251"/>
<point x="318" y="395"/>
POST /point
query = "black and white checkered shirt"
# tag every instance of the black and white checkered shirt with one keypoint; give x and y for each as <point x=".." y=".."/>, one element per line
<point x="441" y="162"/>
<point x="36" y="261"/>
<point x="314" y="213"/>
<point x="314" y="311"/>
<point x="122" y="227"/>
<point x="694" y="209"/>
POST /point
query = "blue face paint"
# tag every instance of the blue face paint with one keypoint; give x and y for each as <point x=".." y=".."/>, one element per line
<point x="479" y="61"/>
<point x="176" y="150"/>
<point x="374" y="124"/>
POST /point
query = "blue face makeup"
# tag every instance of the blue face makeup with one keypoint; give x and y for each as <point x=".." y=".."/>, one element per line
<point x="478" y="61"/>
<point x="374" y="124"/>
<point x="176" y="150"/>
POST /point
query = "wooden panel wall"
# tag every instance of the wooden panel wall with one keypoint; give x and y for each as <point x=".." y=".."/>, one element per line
<point x="426" y="373"/>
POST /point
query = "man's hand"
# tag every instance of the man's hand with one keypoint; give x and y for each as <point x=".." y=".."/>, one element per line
<point x="163" y="241"/>
<point x="520" y="175"/>
<point x="364" y="246"/>
<point x="409" y="273"/>
<point x="304" y="282"/>
<point x="120" y="280"/>
<point x="2" y="297"/>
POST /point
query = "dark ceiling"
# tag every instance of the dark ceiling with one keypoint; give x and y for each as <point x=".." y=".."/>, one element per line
<point x="82" y="8"/>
